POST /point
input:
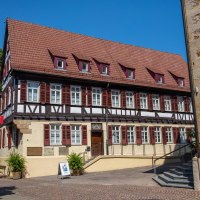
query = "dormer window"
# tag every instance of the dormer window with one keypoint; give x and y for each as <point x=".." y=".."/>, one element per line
<point x="60" y="64"/>
<point x="180" y="82"/>
<point x="84" y="66"/>
<point x="129" y="74"/>
<point x="83" y="62"/>
<point x="104" y="69"/>
<point x="103" y="66"/>
<point x="159" y="78"/>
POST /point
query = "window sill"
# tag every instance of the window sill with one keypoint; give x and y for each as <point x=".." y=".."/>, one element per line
<point x="60" y="69"/>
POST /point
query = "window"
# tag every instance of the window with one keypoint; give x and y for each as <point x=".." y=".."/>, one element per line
<point x="104" y="69"/>
<point x="56" y="93"/>
<point x="131" y="134"/>
<point x="167" y="102"/>
<point x="55" y="131"/>
<point x="129" y="74"/>
<point x="33" y="91"/>
<point x="159" y="78"/>
<point x="129" y="100"/>
<point x="180" y="82"/>
<point x="96" y="96"/>
<point x="157" y="134"/>
<point x="116" y="135"/>
<point x="143" y="101"/>
<point x="115" y="98"/>
<point x="85" y="66"/>
<point x="76" y="95"/>
<point x="60" y="64"/>
<point x="181" y="106"/>
<point x="183" y="135"/>
<point x="145" y="137"/>
<point x="190" y="105"/>
<point x="169" y="135"/>
<point x="156" y="102"/>
<point x="76" y="134"/>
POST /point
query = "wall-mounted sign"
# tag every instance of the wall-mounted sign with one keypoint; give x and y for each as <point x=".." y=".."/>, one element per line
<point x="96" y="126"/>
<point x="63" y="169"/>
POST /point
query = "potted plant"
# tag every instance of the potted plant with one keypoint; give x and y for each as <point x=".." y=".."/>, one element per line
<point x="16" y="164"/>
<point x="75" y="163"/>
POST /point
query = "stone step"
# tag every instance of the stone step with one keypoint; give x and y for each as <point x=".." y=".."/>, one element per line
<point x="164" y="184"/>
<point x="174" y="181"/>
<point x="181" y="173"/>
<point x="184" y="168"/>
<point x="175" y="176"/>
<point x="188" y="164"/>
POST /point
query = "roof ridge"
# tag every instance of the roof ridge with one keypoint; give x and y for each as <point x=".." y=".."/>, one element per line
<point x="105" y="40"/>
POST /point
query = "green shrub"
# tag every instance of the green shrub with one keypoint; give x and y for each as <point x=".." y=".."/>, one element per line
<point x="75" y="161"/>
<point x="16" y="162"/>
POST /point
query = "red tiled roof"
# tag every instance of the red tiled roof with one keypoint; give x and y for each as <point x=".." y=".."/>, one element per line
<point x="100" y="60"/>
<point x="155" y="70"/>
<point x="29" y="46"/>
<point x="81" y="56"/>
<point x="58" y="53"/>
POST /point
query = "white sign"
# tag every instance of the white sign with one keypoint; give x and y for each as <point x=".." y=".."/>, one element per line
<point x="63" y="169"/>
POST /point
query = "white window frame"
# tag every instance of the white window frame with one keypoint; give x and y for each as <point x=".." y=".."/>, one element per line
<point x="167" y="103"/>
<point x="106" y="70"/>
<point x="130" y="101"/>
<point x="145" y="134"/>
<point x="169" y="135"/>
<point x="56" y="90"/>
<point x="116" y="135"/>
<point x="75" y="100"/>
<point x="129" y="73"/>
<point x="158" y="135"/>
<point x="75" y="131"/>
<point x="60" y="60"/>
<point x="161" y="79"/>
<point x="131" y="136"/>
<point x="96" y="96"/>
<point x="54" y="132"/>
<point x="183" y="135"/>
<point x="143" y="101"/>
<point x="32" y="91"/>
<point x="180" y="82"/>
<point x="115" y="98"/>
<point x="156" y="102"/>
<point x="181" y="104"/>
<point x="85" y="69"/>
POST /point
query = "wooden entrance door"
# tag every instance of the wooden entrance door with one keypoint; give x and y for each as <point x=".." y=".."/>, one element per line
<point x="97" y="144"/>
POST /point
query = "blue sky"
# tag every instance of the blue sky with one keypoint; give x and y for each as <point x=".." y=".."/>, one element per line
<point x="155" y="24"/>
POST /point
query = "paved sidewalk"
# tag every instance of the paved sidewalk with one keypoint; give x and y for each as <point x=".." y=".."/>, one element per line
<point x="121" y="184"/>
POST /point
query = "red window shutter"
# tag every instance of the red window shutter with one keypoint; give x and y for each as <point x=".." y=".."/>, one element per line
<point x="84" y="135"/>
<point x="104" y="98"/>
<point x="123" y="99"/>
<point x="162" y="103"/>
<point x="0" y="139"/>
<point x="124" y="135"/>
<point x="55" y="62"/>
<point x="137" y="100"/>
<point x="83" y="92"/>
<point x="80" y="65"/>
<point x="176" y="135"/>
<point x="186" y="101"/>
<point x="9" y="137"/>
<point x="150" y="103"/>
<point x="43" y="92"/>
<point x="174" y="104"/>
<point x="23" y="91"/>
<point x="138" y="135"/>
<point x="109" y="134"/>
<point x="68" y="99"/>
<point x="152" y="135"/>
<point x="46" y="135"/>
<point x="164" y="136"/>
<point x="89" y="67"/>
<point x="89" y="96"/>
<point x="109" y="98"/>
<point x="189" y="137"/>
<point x="3" y="141"/>
<point x="66" y="135"/>
<point x="64" y="94"/>
<point x="47" y="93"/>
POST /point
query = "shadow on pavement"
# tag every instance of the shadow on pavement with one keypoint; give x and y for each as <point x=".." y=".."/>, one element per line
<point x="6" y="191"/>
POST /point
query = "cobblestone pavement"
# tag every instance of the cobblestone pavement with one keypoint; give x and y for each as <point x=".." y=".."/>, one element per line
<point x="105" y="185"/>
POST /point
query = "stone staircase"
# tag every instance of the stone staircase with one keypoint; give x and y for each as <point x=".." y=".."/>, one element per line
<point x="181" y="176"/>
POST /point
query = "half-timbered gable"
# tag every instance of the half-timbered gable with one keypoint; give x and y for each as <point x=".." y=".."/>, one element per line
<point x="64" y="92"/>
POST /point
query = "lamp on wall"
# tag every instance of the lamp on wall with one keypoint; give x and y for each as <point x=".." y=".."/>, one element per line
<point x="196" y="90"/>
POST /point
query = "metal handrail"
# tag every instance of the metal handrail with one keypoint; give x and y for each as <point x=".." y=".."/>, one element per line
<point x="154" y="161"/>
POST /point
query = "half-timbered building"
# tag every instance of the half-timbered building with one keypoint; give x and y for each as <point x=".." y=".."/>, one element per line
<point x="64" y="92"/>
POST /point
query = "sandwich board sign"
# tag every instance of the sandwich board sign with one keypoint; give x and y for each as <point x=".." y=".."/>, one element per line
<point x="63" y="169"/>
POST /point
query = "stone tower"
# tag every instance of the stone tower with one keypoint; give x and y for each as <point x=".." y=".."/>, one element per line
<point x="191" y="17"/>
